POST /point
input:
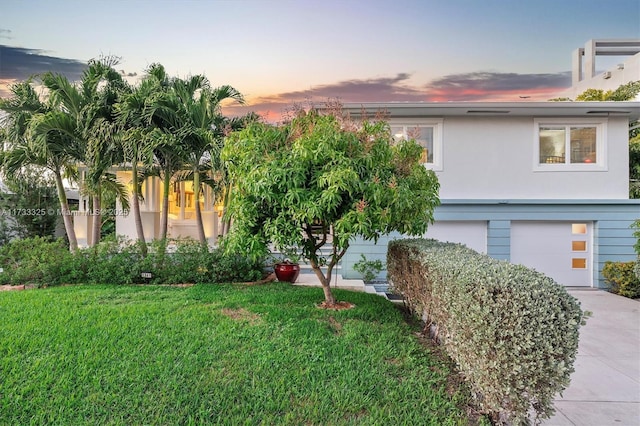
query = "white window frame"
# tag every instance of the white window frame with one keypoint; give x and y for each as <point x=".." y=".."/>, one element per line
<point x="436" y="125"/>
<point x="601" y="144"/>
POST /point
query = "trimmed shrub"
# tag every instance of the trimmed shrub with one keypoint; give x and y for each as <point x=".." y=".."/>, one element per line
<point x="622" y="278"/>
<point x="42" y="261"/>
<point x="114" y="261"/>
<point x="36" y="261"/>
<point x="512" y="331"/>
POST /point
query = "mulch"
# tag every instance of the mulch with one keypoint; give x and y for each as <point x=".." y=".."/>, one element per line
<point x="11" y="287"/>
<point x="338" y="306"/>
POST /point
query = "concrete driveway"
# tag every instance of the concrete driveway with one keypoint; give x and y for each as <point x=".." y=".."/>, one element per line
<point x="605" y="388"/>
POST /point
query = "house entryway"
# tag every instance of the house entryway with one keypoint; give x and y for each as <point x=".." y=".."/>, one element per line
<point x="561" y="250"/>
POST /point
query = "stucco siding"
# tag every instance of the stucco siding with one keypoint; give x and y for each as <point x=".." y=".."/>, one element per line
<point x="488" y="158"/>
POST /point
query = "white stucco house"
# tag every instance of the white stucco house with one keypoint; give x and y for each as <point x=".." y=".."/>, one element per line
<point x="181" y="218"/>
<point x="544" y="184"/>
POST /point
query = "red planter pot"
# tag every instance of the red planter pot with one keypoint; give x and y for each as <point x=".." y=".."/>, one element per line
<point x="287" y="272"/>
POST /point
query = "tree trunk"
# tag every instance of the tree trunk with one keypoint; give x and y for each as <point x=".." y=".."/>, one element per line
<point x="164" y="216"/>
<point x="226" y="221"/>
<point x="329" y="299"/>
<point x="196" y="196"/>
<point x="97" y="218"/>
<point x="135" y="203"/>
<point x="325" y="280"/>
<point x="66" y="213"/>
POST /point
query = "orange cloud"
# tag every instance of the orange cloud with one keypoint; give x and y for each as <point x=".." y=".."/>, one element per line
<point x="476" y="86"/>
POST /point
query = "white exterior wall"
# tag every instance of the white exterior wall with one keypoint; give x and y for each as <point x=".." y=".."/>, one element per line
<point x="149" y="209"/>
<point x="493" y="158"/>
<point x="615" y="77"/>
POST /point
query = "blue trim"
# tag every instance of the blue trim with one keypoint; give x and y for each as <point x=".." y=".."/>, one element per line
<point x="613" y="238"/>
<point x="499" y="239"/>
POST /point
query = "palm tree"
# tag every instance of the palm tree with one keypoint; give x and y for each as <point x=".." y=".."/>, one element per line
<point x="200" y="130"/>
<point x="137" y="139"/>
<point x="33" y="137"/>
<point x="180" y="121"/>
<point x="166" y="156"/>
<point x="92" y="124"/>
<point x="168" y="162"/>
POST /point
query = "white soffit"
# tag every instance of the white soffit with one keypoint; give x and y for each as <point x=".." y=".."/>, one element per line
<point x="495" y="109"/>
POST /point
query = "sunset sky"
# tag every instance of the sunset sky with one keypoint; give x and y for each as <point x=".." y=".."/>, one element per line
<point x="277" y="52"/>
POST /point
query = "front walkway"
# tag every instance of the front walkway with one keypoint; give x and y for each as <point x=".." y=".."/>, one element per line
<point x="308" y="278"/>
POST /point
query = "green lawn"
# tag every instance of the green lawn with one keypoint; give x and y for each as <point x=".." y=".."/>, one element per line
<point x="214" y="354"/>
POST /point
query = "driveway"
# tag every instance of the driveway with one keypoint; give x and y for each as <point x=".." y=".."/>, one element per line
<point x="605" y="388"/>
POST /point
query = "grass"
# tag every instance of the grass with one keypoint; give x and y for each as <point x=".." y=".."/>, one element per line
<point x="214" y="354"/>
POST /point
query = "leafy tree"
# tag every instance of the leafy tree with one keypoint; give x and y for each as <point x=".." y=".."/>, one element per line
<point x="624" y="92"/>
<point x="31" y="202"/>
<point x="323" y="180"/>
<point x="593" y="95"/>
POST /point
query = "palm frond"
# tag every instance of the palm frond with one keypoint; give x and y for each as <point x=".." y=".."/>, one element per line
<point x="226" y="92"/>
<point x="112" y="185"/>
<point x="63" y="92"/>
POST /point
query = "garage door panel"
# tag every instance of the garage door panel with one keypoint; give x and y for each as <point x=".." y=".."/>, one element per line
<point x="555" y="250"/>
<point x="473" y="234"/>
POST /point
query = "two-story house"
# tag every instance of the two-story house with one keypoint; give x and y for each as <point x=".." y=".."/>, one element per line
<point x="541" y="184"/>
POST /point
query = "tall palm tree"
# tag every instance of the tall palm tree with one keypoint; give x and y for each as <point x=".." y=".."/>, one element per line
<point x="137" y="139"/>
<point x="91" y="108"/>
<point x="33" y="137"/>
<point x="181" y="122"/>
<point x="200" y="130"/>
<point x="159" y="115"/>
<point x="168" y="162"/>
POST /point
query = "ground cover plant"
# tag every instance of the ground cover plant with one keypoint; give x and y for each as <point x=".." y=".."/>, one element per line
<point x="214" y="354"/>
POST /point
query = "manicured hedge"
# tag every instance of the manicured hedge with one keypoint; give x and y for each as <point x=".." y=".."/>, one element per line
<point x="513" y="332"/>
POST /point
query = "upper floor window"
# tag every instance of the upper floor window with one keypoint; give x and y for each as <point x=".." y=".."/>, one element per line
<point x="570" y="145"/>
<point x="426" y="133"/>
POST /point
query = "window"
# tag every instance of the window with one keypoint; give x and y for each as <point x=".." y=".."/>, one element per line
<point x="578" y="228"/>
<point x="575" y="145"/>
<point x="426" y="133"/>
<point x="579" y="263"/>
<point x="578" y="246"/>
